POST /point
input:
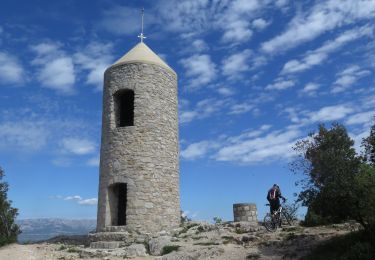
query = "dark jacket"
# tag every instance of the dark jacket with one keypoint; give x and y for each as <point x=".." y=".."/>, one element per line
<point x="274" y="194"/>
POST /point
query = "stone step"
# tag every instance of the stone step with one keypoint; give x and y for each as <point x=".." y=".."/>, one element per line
<point x="115" y="229"/>
<point x="109" y="236"/>
<point x="106" y="244"/>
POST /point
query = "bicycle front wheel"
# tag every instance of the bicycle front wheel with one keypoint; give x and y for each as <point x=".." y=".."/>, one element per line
<point x="269" y="223"/>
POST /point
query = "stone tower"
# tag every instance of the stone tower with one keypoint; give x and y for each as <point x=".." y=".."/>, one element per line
<point x="139" y="167"/>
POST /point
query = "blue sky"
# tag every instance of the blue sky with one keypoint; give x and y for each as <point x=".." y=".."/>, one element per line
<point x="254" y="77"/>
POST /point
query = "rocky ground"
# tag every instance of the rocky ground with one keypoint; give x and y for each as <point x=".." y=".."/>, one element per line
<point x="227" y="241"/>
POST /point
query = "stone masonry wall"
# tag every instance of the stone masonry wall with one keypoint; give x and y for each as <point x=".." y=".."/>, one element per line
<point x="245" y="212"/>
<point x="146" y="155"/>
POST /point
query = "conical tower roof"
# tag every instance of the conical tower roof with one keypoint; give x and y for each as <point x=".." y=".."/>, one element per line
<point x="143" y="54"/>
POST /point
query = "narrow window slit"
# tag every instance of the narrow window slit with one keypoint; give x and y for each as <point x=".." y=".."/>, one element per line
<point x="124" y="107"/>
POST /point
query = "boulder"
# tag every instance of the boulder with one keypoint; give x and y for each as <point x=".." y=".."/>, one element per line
<point x="156" y="244"/>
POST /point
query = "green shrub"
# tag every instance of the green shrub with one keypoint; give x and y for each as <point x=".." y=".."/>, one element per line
<point x="8" y="229"/>
<point x="253" y="256"/>
<point x="353" y="246"/>
<point x="169" y="248"/>
<point x="218" y="220"/>
<point x="207" y="243"/>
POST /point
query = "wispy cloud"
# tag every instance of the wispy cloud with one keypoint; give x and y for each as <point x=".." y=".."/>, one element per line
<point x="236" y="64"/>
<point x="95" y="58"/>
<point x="197" y="150"/>
<point x="25" y="135"/>
<point x="199" y="69"/>
<point x="330" y="113"/>
<point x="322" y="17"/>
<point x="55" y="67"/>
<point x="82" y="201"/>
<point x="203" y="109"/>
<point x="225" y="91"/>
<point x="281" y="84"/>
<point x="269" y="147"/>
<point x="253" y="146"/>
<point x="367" y="118"/>
<point x="94" y="161"/>
<point x="318" y="56"/>
<point x="260" y="24"/>
<point x="78" y="146"/>
<point x="11" y="70"/>
<point x="123" y="20"/>
<point x="348" y="77"/>
<point x="310" y="89"/>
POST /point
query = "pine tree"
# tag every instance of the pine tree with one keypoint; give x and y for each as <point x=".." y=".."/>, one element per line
<point x="8" y="229"/>
<point x="368" y="144"/>
<point x="330" y="164"/>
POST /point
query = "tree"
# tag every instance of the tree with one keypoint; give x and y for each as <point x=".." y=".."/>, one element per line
<point x="329" y="163"/>
<point x="368" y="144"/>
<point x="8" y="229"/>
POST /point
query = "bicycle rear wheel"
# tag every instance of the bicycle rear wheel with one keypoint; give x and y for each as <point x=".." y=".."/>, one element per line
<point x="269" y="223"/>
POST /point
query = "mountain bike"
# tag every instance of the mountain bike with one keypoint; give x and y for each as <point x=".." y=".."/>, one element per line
<point x="274" y="220"/>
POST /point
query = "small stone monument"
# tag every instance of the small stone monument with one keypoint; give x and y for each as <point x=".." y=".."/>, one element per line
<point x="245" y="212"/>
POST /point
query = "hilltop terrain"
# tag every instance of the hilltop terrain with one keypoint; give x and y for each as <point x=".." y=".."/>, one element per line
<point x="193" y="241"/>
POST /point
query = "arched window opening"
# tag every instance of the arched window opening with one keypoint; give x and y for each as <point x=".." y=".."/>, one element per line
<point x="117" y="202"/>
<point x="124" y="107"/>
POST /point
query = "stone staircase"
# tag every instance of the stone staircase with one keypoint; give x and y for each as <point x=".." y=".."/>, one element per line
<point x="114" y="237"/>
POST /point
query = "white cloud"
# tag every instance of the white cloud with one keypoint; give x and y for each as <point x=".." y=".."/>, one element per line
<point x="184" y="15"/>
<point x="260" y="24"/>
<point x="121" y="20"/>
<point x="56" y="69"/>
<point x="203" y="109"/>
<point x="62" y="162"/>
<point x="82" y="201"/>
<point x="75" y="197"/>
<point x="200" y="45"/>
<point x="310" y="89"/>
<point x="197" y="150"/>
<point x="281" y="84"/>
<point x="233" y="19"/>
<point x="366" y="118"/>
<point x="92" y="201"/>
<point x="241" y="108"/>
<point x="78" y="146"/>
<point x="23" y="135"/>
<point x="95" y="58"/>
<point x="258" y="149"/>
<point x="250" y="147"/>
<point x="199" y="69"/>
<point x="187" y="116"/>
<point x="94" y="161"/>
<point x="318" y="56"/>
<point x="330" y="113"/>
<point x="11" y="71"/>
<point x="235" y="64"/>
<point x="225" y="91"/>
<point x="322" y="17"/>
<point x="348" y="77"/>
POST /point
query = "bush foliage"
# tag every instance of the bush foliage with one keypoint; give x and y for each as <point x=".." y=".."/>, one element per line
<point x="8" y="229"/>
<point x="339" y="185"/>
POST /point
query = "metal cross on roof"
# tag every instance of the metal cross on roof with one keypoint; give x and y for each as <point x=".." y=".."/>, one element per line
<point x="142" y="35"/>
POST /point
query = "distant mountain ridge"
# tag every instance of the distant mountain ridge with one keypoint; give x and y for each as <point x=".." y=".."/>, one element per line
<point x="45" y="228"/>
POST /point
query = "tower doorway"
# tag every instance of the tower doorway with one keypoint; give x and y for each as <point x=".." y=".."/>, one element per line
<point x="117" y="202"/>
